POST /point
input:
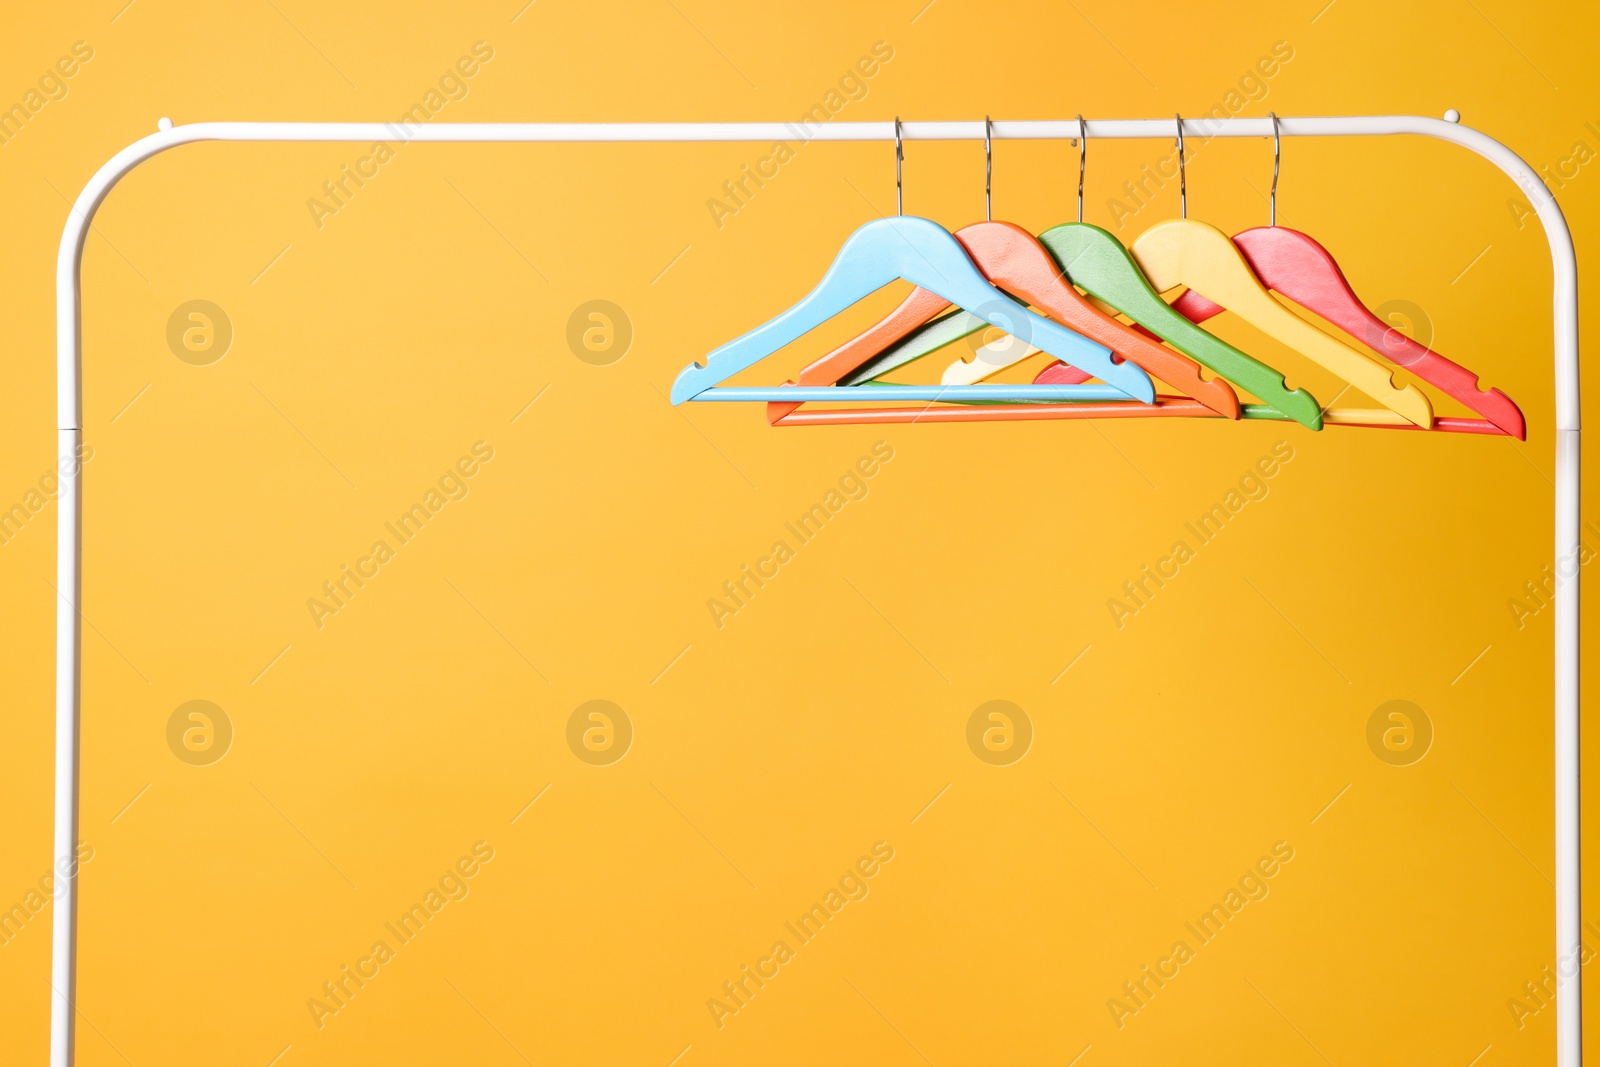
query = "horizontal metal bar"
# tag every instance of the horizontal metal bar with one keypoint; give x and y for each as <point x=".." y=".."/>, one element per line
<point x="958" y="130"/>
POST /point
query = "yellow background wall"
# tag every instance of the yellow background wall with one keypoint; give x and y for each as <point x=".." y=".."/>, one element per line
<point x="377" y="747"/>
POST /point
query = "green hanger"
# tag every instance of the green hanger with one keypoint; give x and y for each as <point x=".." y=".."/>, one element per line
<point x="1096" y="262"/>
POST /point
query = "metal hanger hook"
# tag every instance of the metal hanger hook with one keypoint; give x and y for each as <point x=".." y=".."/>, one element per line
<point x="899" y="158"/>
<point x="1277" y="156"/>
<point x="1083" y="160"/>
<point x="1183" y="181"/>
<point x="988" y="169"/>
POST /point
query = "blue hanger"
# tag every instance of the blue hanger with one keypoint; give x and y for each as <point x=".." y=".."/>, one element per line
<point x="925" y="254"/>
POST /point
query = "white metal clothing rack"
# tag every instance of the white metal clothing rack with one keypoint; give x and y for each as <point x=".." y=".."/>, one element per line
<point x="1569" y="1050"/>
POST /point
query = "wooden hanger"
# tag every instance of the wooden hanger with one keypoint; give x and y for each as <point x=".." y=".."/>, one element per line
<point x="925" y="254"/>
<point x="1068" y="244"/>
<point x="1016" y="262"/>
<point x="1295" y="266"/>
<point x="1102" y="266"/>
<point x="1185" y="252"/>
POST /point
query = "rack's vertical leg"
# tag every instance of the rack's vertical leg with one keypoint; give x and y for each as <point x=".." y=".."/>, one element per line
<point x="69" y="542"/>
<point x="1569" y="913"/>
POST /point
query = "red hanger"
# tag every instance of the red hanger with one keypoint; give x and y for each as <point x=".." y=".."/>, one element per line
<point x="1014" y="260"/>
<point x="1293" y="264"/>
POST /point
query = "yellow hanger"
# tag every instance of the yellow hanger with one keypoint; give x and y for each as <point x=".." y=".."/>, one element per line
<point x="1185" y="252"/>
<point x="988" y="361"/>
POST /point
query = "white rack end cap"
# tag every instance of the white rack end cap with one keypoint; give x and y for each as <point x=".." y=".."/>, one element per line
<point x="164" y="124"/>
<point x="1452" y="115"/>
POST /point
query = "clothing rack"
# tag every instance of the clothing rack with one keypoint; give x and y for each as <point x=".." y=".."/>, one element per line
<point x="1569" y="1023"/>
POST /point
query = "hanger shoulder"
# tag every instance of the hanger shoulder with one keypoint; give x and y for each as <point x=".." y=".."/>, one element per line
<point x="1097" y="261"/>
<point x="1187" y="252"/>
<point x="1296" y="265"/>
<point x="859" y="269"/>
